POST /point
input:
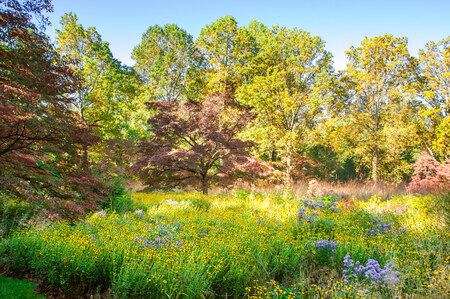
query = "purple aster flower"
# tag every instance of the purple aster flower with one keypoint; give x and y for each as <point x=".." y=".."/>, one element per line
<point x="371" y="271"/>
<point x="325" y="245"/>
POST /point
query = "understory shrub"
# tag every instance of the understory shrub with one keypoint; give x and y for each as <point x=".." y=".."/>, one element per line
<point x="14" y="213"/>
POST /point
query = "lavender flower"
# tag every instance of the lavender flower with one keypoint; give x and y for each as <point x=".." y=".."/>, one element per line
<point x="389" y="276"/>
<point x="163" y="241"/>
<point x="101" y="213"/>
<point x="325" y="246"/>
<point x="348" y="262"/>
<point x="371" y="271"/>
<point x="381" y="228"/>
<point x="313" y="204"/>
<point x="306" y="215"/>
<point x="139" y="213"/>
<point x="93" y="238"/>
<point x="302" y="212"/>
<point x="320" y="205"/>
<point x="261" y="220"/>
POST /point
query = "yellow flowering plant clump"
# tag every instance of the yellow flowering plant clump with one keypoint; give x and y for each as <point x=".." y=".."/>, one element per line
<point x="256" y="245"/>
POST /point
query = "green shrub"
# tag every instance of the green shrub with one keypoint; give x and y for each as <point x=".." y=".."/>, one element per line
<point x="242" y="193"/>
<point x="119" y="199"/>
<point x="14" y="213"/>
<point x="201" y="204"/>
<point x="441" y="206"/>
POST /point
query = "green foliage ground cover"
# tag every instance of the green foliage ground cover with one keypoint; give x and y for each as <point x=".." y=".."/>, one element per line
<point x="249" y="245"/>
<point x="12" y="289"/>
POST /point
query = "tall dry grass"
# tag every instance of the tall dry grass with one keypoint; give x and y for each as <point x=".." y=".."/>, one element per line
<point x="357" y="190"/>
<point x="362" y="191"/>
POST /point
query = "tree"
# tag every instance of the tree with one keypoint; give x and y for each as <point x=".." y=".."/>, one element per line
<point x="378" y="78"/>
<point x="39" y="134"/>
<point x="90" y="58"/>
<point x="435" y="97"/>
<point x="286" y="91"/>
<point x="106" y="95"/>
<point x="169" y="63"/>
<point x="228" y="50"/>
<point x="193" y="144"/>
<point x="429" y="175"/>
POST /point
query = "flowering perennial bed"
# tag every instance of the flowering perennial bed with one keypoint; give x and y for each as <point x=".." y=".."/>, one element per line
<point x="255" y="246"/>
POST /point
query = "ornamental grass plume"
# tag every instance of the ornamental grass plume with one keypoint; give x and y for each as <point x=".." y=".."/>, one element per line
<point x="346" y="202"/>
<point x="314" y="190"/>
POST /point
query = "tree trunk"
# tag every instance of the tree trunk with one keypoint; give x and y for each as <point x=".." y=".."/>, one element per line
<point x="429" y="149"/>
<point x="375" y="164"/>
<point x="205" y="185"/>
<point x="288" y="172"/>
<point x="273" y="156"/>
<point x="84" y="164"/>
<point x="84" y="158"/>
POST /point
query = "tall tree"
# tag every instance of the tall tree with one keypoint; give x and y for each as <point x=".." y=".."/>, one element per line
<point x="286" y="91"/>
<point x="39" y="134"/>
<point x="169" y="63"/>
<point x="107" y="91"/>
<point x="379" y="77"/>
<point x="90" y="58"/>
<point x="435" y="96"/>
<point x="228" y="49"/>
<point x="193" y="145"/>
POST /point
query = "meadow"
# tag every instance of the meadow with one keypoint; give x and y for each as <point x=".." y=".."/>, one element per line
<point x="243" y="245"/>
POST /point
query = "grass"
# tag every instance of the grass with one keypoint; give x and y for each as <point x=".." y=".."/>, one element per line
<point x="253" y="245"/>
<point x="13" y="289"/>
<point x="358" y="190"/>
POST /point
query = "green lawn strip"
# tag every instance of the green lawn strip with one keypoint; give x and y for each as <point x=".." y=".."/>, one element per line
<point x="13" y="288"/>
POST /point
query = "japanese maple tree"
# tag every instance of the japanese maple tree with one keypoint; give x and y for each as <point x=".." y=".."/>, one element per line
<point x="40" y="136"/>
<point x="429" y="175"/>
<point x="196" y="144"/>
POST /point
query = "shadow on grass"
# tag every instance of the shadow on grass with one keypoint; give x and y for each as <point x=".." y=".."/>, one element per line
<point x="12" y="288"/>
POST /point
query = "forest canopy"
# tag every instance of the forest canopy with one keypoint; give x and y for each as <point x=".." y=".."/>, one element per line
<point x="240" y="102"/>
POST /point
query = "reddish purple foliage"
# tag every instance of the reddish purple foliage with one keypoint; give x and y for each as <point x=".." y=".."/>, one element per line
<point x="195" y="145"/>
<point x="40" y="137"/>
<point x="429" y="175"/>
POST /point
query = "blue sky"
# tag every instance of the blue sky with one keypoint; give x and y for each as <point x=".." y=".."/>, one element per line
<point x="340" y="23"/>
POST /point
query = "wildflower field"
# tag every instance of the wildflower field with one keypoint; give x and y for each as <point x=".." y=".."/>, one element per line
<point x="244" y="245"/>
